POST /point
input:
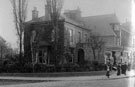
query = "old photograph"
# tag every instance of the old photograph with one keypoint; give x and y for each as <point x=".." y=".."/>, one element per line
<point x="67" y="43"/>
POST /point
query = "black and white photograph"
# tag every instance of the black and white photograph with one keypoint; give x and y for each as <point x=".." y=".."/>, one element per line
<point x="67" y="43"/>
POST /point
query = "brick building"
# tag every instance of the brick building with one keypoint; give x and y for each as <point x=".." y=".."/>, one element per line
<point x="118" y="37"/>
<point x="39" y="38"/>
<point x="74" y="32"/>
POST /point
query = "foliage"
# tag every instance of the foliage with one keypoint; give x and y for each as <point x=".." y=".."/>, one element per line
<point x="97" y="44"/>
<point x="54" y="9"/>
<point x="19" y="13"/>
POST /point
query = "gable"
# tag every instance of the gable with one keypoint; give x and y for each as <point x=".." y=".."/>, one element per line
<point x="100" y="24"/>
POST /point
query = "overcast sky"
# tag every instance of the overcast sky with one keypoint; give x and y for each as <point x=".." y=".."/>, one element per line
<point x="122" y="8"/>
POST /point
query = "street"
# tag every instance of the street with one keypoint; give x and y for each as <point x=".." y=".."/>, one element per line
<point x="82" y="82"/>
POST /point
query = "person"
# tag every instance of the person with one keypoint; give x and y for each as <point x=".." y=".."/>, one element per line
<point x="118" y="69"/>
<point x="108" y="71"/>
<point x="124" y="68"/>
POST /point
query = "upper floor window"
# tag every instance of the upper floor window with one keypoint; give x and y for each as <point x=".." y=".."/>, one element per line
<point x="79" y="36"/>
<point x="71" y="35"/>
<point x="116" y="27"/>
<point x="33" y="36"/>
<point x="85" y="37"/>
<point x="53" y="35"/>
<point x="118" y="41"/>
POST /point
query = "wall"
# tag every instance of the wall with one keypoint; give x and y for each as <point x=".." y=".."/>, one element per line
<point x="43" y="33"/>
<point x="109" y="40"/>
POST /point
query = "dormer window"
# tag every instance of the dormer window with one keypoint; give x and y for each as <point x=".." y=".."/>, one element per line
<point x="116" y="27"/>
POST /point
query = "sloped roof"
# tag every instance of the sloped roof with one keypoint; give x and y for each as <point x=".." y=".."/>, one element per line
<point x="100" y="24"/>
<point x="67" y="19"/>
<point x="127" y="26"/>
<point x="43" y="18"/>
<point x="126" y="34"/>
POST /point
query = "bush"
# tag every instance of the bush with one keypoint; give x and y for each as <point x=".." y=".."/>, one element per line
<point x="68" y="67"/>
<point x="28" y="68"/>
<point x="44" y="68"/>
<point x="12" y="68"/>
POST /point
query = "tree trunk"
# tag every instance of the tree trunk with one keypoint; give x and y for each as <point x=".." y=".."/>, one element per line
<point x="20" y="45"/>
<point x="94" y="55"/>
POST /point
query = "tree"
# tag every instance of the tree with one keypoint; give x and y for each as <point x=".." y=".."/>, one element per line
<point x="19" y="13"/>
<point x="54" y="9"/>
<point x="97" y="44"/>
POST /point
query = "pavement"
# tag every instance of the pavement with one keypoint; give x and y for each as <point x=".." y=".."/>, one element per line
<point x="63" y="78"/>
<point x="53" y="81"/>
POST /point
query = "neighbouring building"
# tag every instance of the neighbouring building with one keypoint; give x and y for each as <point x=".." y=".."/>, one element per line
<point x="128" y="41"/>
<point x="118" y="38"/>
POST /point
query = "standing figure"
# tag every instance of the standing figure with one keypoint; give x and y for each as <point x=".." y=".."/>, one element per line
<point x="108" y="71"/>
<point x="118" y="69"/>
<point x="124" y="68"/>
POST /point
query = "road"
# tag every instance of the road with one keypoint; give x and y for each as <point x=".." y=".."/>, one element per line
<point x="79" y="81"/>
<point x="111" y="82"/>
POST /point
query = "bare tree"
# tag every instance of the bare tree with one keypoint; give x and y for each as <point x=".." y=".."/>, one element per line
<point x="54" y="9"/>
<point x="19" y="13"/>
<point x="97" y="44"/>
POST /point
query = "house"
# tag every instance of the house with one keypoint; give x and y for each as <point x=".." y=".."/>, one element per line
<point x="39" y="38"/>
<point x="128" y="41"/>
<point x="115" y="35"/>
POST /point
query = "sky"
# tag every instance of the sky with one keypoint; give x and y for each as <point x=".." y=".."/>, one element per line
<point x="122" y="8"/>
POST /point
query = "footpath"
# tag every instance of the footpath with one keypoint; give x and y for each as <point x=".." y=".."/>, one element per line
<point x="41" y="81"/>
<point x="69" y="78"/>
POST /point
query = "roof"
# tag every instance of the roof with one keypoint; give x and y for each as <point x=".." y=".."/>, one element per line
<point x="67" y="19"/>
<point x="127" y="26"/>
<point x="100" y="24"/>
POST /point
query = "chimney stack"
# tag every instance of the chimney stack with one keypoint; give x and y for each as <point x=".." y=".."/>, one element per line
<point x="47" y="14"/>
<point x="34" y="13"/>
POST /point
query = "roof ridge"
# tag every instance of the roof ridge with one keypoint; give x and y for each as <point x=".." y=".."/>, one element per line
<point x="100" y="15"/>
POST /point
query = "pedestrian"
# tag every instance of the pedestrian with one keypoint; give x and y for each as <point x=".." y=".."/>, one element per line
<point x="118" y="69"/>
<point x="124" y="68"/>
<point x="108" y="71"/>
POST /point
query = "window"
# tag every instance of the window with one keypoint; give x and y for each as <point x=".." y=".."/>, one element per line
<point x="71" y="35"/>
<point x="53" y="35"/>
<point x="79" y="36"/>
<point x="118" y="41"/>
<point x="116" y="27"/>
<point x="42" y="56"/>
<point x="85" y="37"/>
<point x="33" y="36"/>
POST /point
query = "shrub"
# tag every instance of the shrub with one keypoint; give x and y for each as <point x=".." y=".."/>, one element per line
<point x="44" y="68"/>
<point x="28" y="68"/>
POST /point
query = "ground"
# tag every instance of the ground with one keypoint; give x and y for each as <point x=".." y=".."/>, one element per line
<point x="77" y="81"/>
<point x="111" y="82"/>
